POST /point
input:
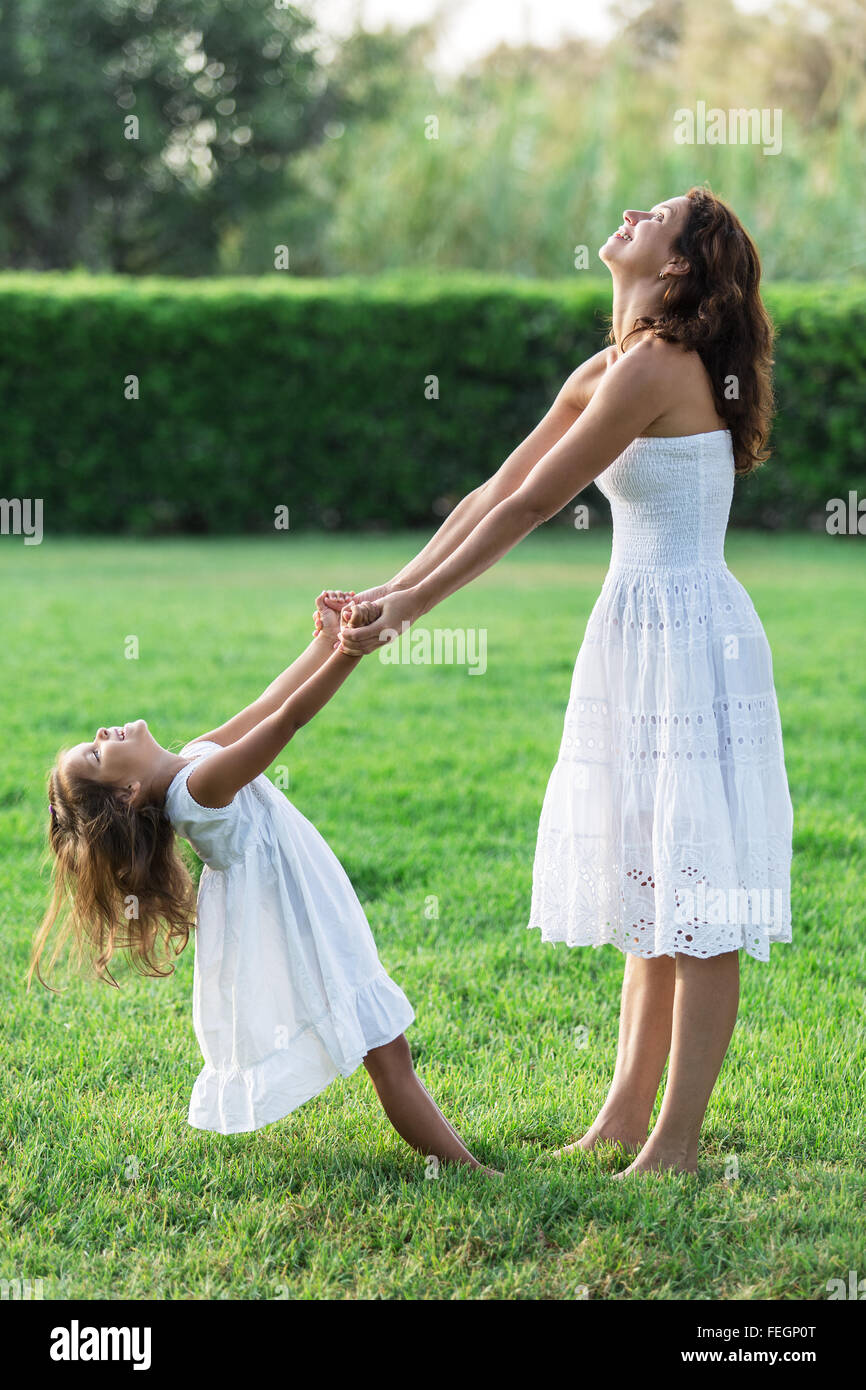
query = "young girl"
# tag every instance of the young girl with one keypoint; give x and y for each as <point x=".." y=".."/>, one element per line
<point x="288" y="989"/>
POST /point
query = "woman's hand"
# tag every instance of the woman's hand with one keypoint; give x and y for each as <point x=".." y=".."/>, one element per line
<point x="374" y="595"/>
<point x="397" y="608"/>
<point x="356" y="615"/>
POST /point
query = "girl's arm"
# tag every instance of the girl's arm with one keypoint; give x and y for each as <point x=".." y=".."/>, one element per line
<point x="634" y="393"/>
<point x="285" y="684"/>
<point x="216" y="780"/>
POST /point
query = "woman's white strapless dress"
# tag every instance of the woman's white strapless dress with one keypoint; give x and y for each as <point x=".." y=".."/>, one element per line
<point x="666" y="824"/>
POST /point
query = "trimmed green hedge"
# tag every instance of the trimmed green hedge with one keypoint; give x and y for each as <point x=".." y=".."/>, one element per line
<point x="310" y="394"/>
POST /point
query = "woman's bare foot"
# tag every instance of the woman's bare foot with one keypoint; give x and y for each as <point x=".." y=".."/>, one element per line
<point x="592" y="1139"/>
<point x="656" y="1158"/>
<point x="624" y="1133"/>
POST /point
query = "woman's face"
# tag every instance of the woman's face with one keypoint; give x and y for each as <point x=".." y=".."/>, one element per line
<point x="115" y="756"/>
<point x="642" y="243"/>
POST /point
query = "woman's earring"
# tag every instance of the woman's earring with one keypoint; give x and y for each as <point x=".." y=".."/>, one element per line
<point x="662" y="275"/>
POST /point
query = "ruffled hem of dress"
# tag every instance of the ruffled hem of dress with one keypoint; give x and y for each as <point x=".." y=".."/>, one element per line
<point x="236" y="1099"/>
<point x="666" y="943"/>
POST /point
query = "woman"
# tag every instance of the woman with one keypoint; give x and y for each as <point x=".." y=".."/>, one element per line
<point x="666" y="825"/>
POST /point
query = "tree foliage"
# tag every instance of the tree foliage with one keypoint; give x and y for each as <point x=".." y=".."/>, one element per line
<point x="134" y="132"/>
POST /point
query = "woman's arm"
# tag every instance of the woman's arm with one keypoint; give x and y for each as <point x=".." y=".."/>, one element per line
<point x="279" y="690"/>
<point x="476" y="505"/>
<point x="216" y="780"/>
<point x="633" y="393"/>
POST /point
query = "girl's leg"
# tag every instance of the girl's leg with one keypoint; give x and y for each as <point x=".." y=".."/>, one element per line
<point x="705" y="1011"/>
<point x="410" y="1107"/>
<point x="644" y="1042"/>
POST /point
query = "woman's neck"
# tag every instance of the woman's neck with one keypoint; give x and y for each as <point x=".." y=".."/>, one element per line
<point x="634" y="301"/>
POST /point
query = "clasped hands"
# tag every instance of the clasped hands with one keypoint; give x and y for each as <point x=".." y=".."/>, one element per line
<point x="360" y="626"/>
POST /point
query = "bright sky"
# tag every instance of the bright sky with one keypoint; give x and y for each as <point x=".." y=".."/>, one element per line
<point x="471" y="28"/>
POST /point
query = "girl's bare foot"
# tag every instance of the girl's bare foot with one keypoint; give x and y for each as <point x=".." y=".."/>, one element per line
<point x="469" y="1163"/>
<point x="412" y="1110"/>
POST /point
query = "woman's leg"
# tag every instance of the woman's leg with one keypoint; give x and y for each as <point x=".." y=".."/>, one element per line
<point x="705" y="1011"/>
<point x="644" y="1041"/>
<point x="410" y="1107"/>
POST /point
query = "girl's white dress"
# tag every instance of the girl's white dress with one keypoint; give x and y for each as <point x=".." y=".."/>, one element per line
<point x="288" y="989"/>
<point x="666" y="823"/>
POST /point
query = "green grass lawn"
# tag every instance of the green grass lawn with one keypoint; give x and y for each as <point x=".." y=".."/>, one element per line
<point x="425" y="781"/>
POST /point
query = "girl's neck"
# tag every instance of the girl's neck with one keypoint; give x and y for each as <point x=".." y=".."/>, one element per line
<point x="165" y="768"/>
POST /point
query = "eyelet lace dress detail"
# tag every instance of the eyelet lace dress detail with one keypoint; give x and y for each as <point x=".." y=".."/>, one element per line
<point x="666" y="824"/>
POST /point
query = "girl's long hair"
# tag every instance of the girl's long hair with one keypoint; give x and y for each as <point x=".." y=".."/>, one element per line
<point x="716" y="310"/>
<point x="119" y="882"/>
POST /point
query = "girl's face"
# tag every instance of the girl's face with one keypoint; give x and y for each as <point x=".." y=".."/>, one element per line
<point x="642" y="243"/>
<point x="116" y="756"/>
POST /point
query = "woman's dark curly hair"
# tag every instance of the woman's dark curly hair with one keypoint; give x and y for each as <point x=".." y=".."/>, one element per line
<point x="716" y="310"/>
<point x="119" y="881"/>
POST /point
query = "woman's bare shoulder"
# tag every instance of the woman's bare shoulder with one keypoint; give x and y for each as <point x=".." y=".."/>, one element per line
<point x="580" y="387"/>
<point x="684" y="391"/>
<point x="681" y="382"/>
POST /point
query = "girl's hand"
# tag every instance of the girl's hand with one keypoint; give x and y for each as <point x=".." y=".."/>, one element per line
<point x="327" y="612"/>
<point x="396" y="609"/>
<point x="343" y="596"/>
